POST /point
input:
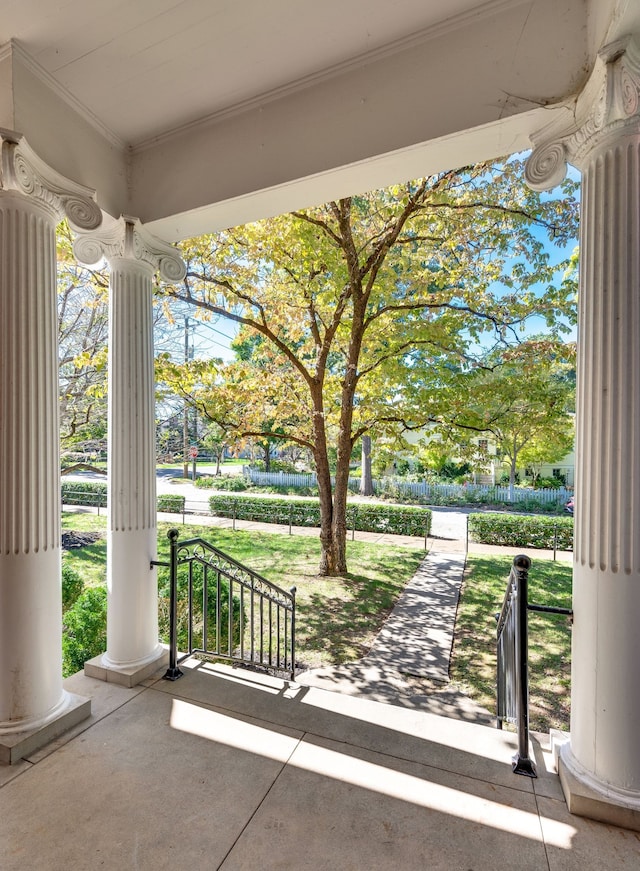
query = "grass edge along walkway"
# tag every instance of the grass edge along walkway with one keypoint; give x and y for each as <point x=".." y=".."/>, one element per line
<point x="474" y="656"/>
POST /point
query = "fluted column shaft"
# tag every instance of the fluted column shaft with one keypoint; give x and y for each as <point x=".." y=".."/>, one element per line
<point x="32" y="199"/>
<point x="606" y="650"/>
<point x="30" y="602"/>
<point x="132" y="604"/>
<point x="600" y="767"/>
<point x="132" y="596"/>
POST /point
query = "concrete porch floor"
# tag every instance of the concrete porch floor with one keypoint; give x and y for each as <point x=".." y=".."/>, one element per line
<point x="228" y="769"/>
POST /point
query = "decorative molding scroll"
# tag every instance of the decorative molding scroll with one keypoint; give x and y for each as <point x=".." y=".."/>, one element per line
<point x="127" y="239"/>
<point x="606" y="109"/>
<point x="22" y="170"/>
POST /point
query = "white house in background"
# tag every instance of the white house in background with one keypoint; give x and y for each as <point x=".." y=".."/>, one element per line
<point x="488" y="467"/>
<point x="147" y="123"/>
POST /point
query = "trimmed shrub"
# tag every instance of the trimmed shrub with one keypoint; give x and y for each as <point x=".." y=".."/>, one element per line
<point x="84" y="630"/>
<point x="521" y="530"/>
<point x="72" y="587"/>
<point x="365" y="517"/>
<point x="173" y="503"/>
<point x="197" y="580"/>
<point x="224" y="482"/>
<point x="84" y="493"/>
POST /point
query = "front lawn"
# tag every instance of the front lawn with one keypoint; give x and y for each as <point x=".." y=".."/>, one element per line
<point x="473" y="666"/>
<point x="338" y="618"/>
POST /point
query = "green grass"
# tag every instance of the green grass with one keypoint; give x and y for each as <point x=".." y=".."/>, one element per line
<point x="474" y="659"/>
<point x="337" y="618"/>
<point x="89" y="561"/>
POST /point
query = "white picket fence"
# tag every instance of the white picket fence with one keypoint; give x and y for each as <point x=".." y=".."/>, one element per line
<point x="422" y="490"/>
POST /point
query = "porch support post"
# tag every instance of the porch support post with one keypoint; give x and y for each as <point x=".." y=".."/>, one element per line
<point x="33" y="198"/>
<point x="133" y="650"/>
<point x="600" y="766"/>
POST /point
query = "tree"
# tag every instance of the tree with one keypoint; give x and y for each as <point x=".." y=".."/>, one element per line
<point x="349" y="298"/>
<point x="216" y="440"/>
<point x="82" y="334"/>
<point x="522" y="398"/>
<point x="366" y="475"/>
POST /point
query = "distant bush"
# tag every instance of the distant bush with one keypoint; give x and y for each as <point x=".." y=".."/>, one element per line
<point x="171" y="503"/>
<point x="521" y="530"/>
<point x="223" y="482"/>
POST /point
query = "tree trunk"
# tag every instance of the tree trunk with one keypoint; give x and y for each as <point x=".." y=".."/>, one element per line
<point x="333" y="558"/>
<point x="512" y="479"/>
<point x="366" y="478"/>
<point x="328" y="565"/>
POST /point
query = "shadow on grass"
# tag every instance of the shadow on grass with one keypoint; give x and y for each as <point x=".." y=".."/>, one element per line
<point x="339" y="618"/>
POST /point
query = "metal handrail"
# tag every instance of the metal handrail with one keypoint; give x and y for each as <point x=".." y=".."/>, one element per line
<point x="259" y="627"/>
<point x="512" y="654"/>
<point x="513" y="658"/>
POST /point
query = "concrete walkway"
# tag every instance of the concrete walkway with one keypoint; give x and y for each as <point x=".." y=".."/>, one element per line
<point x="409" y="661"/>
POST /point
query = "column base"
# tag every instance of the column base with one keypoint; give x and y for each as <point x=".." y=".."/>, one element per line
<point x="588" y="797"/>
<point x="126" y="675"/>
<point x="15" y="746"/>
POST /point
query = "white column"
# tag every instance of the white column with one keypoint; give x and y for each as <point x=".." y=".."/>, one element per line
<point x="33" y="198"/>
<point x="132" y="597"/>
<point x="600" y="767"/>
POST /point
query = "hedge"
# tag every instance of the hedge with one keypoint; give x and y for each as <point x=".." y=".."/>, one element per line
<point x="95" y="493"/>
<point x="520" y="530"/>
<point x="172" y="503"/>
<point x="363" y="517"/>
<point x="84" y="493"/>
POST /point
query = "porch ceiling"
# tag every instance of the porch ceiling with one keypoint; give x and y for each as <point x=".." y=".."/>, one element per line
<point x="152" y="66"/>
<point x="227" y="98"/>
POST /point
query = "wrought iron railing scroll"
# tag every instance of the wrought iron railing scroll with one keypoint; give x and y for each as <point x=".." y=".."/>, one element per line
<point x="222" y="609"/>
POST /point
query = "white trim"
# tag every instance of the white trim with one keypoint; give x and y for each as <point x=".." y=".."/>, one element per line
<point x="14" y="47"/>
<point x="626" y="798"/>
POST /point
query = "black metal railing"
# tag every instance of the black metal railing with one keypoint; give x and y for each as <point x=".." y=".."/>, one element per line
<point x="513" y="671"/>
<point x="513" y="659"/>
<point x="221" y="609"/>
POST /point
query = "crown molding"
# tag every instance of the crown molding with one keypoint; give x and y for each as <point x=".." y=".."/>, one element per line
<point x="14" y="48"/>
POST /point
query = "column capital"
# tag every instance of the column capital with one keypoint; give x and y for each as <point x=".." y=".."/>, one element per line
<point x="605" y="111"/>
<point x="127" y="239"/>
<point x="23" y="171"/>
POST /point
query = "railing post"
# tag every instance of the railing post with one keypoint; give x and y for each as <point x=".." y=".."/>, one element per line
<point x="173" y="672"/>
<point x="293" y="633"/>
<point x="522" y="763"/>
